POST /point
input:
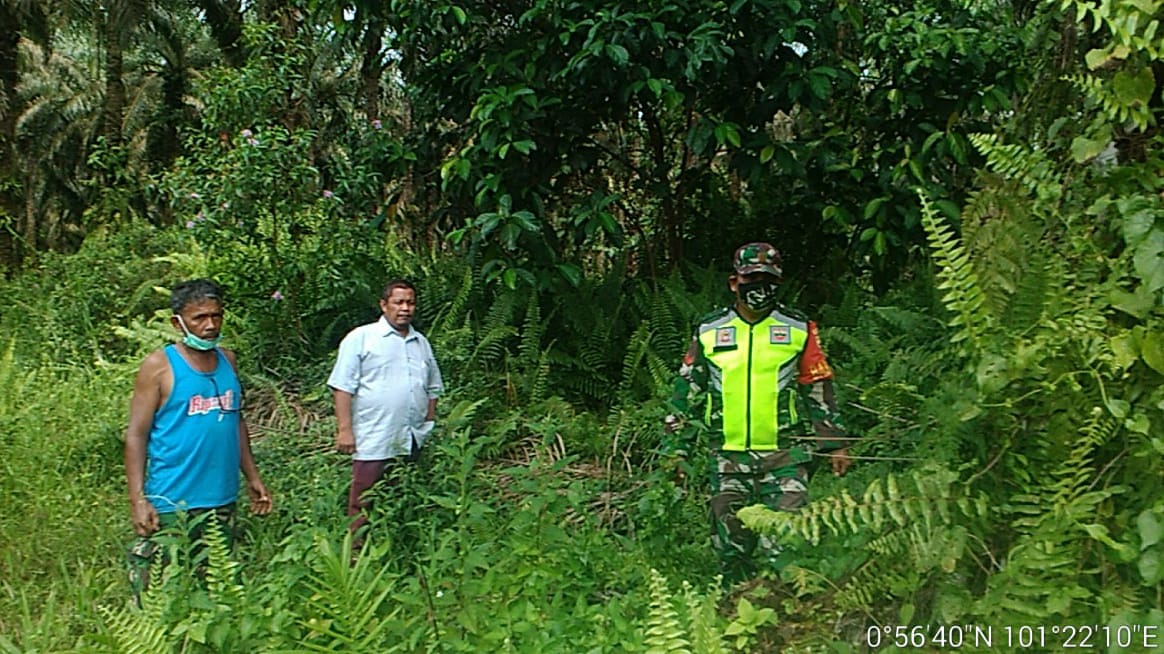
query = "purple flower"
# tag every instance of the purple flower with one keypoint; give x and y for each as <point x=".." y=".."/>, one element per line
<point x="277" y="296"/>
<point x="246" y="133"/>
<point x="328" y="194"/>
<point x="200" y="217"/>
<point x="189" y="224"/>
<point x="252" y="141"/>
<point x="376" y="124"/>
<point x="194" y="196"/>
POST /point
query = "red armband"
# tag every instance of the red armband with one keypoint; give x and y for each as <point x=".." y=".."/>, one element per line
<point x="813" y="364"/>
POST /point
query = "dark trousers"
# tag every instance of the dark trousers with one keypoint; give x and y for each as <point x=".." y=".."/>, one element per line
<point x="365" y="475"/>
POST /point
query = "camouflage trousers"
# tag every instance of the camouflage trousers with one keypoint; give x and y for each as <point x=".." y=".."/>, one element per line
<point x="776" y="479"/>
<point x="145" y="552"/>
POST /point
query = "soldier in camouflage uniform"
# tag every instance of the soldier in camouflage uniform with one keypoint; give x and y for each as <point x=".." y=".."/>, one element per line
<point x="756" y="376"/>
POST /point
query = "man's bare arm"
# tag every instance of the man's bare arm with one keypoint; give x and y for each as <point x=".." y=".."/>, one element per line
<point x="148" y="393"/>
<point x="257" y="492"/>
<point x="345" y="439"/>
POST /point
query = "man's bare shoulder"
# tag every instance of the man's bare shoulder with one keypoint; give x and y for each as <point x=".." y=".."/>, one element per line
<point x="154" y="365"/>
<point x="230" y="356"/>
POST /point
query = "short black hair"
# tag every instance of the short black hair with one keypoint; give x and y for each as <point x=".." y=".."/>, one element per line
<point x="194" y="290"/>
<point x="399" y="282"/>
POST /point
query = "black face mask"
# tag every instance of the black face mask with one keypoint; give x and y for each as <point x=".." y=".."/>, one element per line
<point x="758" y="296"/>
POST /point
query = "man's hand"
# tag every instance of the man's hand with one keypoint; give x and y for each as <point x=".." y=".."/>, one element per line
<point x="840" y="461"/>
<point x="345" y="441"/>
<point x="145" y="517"/>
<point x="260" y="498"/>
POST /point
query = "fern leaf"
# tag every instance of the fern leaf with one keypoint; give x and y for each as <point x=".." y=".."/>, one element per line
<point x="666" y="634"/>
<point x="136" y="632"/>
<point x="963" y="296"/>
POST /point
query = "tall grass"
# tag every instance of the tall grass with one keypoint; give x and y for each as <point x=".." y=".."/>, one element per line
<point x="61" y="485"/>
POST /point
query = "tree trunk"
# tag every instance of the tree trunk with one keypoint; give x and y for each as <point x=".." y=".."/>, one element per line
<point x="673" y="190"/>
<point x="372" y="67"/>
<point x="225" y="19"/>
<point x="113" y="112"/>
<point x="10" y="205"/>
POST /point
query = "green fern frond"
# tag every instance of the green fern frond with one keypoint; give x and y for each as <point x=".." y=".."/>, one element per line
<point x="136" y="632"/>
<point x="491" y="347"/>
<point x="1031" y="169"/>
<point x="1056" y="527"/>
<point x="928" y="499"/>
<point x="706" y="627"/>
<point x="221" y="568"/>
<point x="636" y="352"/>
<point x="539" y="385"/>
<point x="666" y="326"/>
<point x="529" y="350"/>
<point x="457" y="309"/>
<point x="1076" y="474"/>
<point x="346" y="610"/>
<point x="963" y="294"/>
<point x="666" y="633"/>
<point x="1119" y="107"/>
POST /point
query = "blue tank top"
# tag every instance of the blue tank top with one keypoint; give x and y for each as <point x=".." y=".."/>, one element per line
<point x="193" y="452"/>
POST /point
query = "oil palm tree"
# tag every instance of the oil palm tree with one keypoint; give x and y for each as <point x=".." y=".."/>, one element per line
<point x="23" y="19"/>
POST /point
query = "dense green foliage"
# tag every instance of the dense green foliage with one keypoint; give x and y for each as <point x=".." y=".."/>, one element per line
<point x="970" y="200"/>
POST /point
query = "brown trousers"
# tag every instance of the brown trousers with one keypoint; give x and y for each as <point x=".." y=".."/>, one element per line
<point x="365" y="475"/>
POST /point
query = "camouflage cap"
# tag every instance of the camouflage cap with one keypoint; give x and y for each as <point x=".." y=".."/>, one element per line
<point x="757" y="257"/>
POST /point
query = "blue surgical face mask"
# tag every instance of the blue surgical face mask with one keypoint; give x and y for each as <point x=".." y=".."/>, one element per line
<point x="196" y="342"/>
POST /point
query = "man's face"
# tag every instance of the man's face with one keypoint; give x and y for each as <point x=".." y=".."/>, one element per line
<point x="755" y="292"/>
<point x="203" y="318"/>
<point x="399" y="307"/>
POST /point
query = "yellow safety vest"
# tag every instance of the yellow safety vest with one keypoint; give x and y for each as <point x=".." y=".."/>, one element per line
<point x="753" y="369"/>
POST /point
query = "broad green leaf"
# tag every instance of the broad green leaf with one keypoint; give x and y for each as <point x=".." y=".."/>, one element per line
<point x="1152" y="350"/>
<point x="1138" y="304"/>
<point x="727" y="133"/>
<point x="871" y="208"/>
<point x="949" y="209"/>
<point x="526" y="220"/>
<point x="572" y="273"/>
<point x="745" y="610"/>
<point x="1139" y="218"/>
<point x="1118" y="408"/>
<point x="1083" y="149"/>
<point x="1126" y="348"/>
<point x="1138" y="424"/>
<point x="618" y="54"/>
<point x="1099" y="57"/>
<point x="1101" y="534"/>
<point x="1150" y="568"/>
<point x="820" y="86"/>
<point x="766" y="153"/>
<point x="1148" y="259"/>
<point x="1150" y="527"/>
<point x="1134" y="89"/>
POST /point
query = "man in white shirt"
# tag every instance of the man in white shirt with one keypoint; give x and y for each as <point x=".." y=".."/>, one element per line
<point x="385" y="384"/>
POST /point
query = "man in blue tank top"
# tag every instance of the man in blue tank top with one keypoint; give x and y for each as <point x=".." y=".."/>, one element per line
<point x="187" y="440"/>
